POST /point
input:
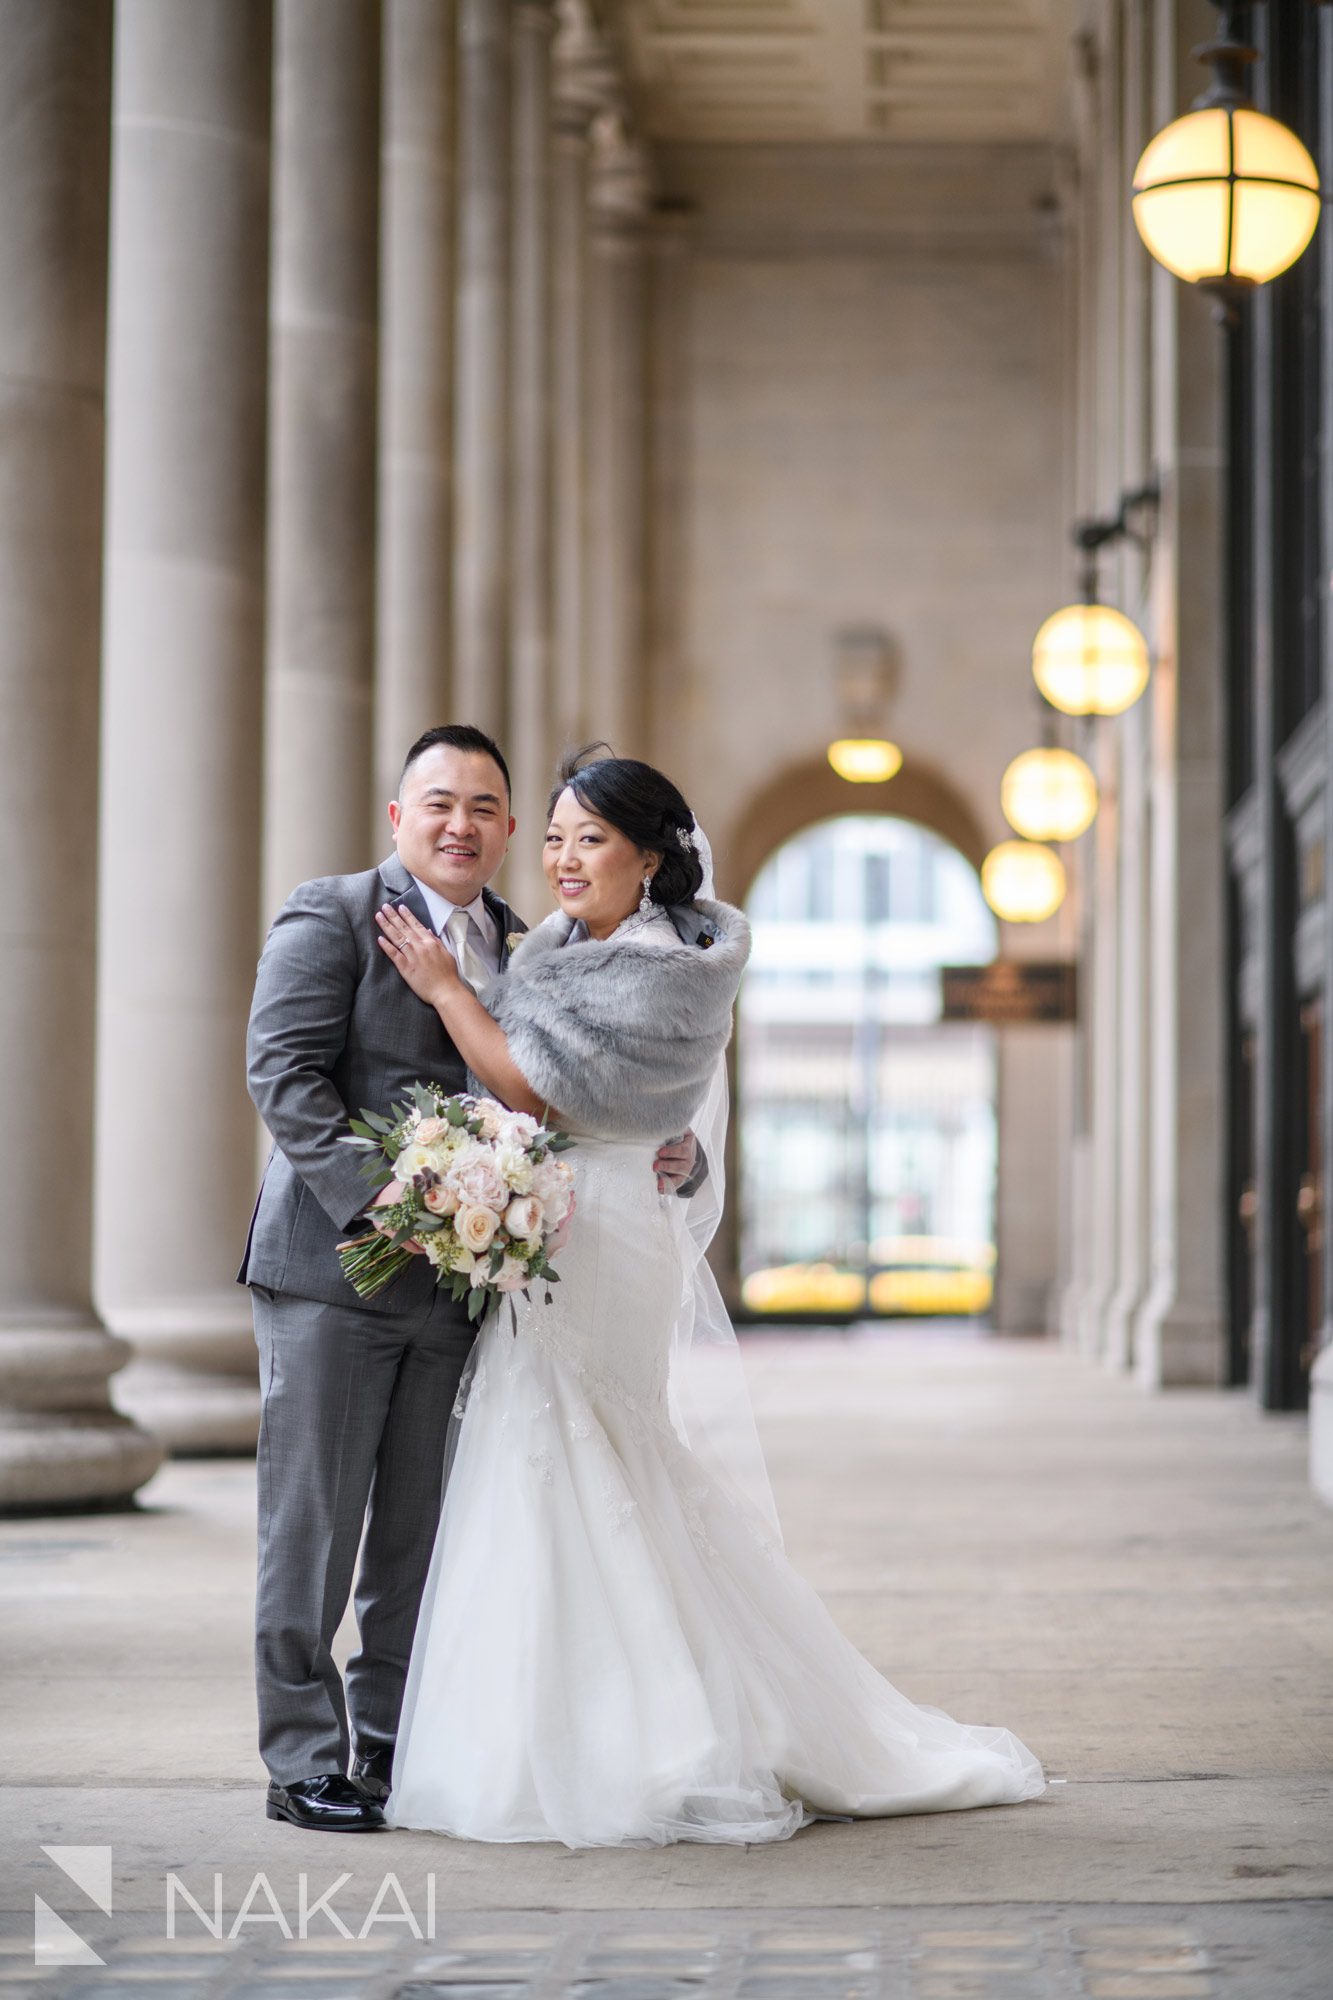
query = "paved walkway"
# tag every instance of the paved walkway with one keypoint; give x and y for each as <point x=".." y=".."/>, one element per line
<point x="1138" y="1586"/>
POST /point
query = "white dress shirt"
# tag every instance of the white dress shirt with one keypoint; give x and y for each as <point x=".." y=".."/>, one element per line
<point x="483" y="931"/>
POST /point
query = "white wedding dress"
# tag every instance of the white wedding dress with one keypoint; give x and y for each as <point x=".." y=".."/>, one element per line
<point x="612" y="1647"/>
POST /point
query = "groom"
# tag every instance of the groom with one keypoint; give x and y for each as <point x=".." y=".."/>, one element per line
<point x="356" y="1396"/>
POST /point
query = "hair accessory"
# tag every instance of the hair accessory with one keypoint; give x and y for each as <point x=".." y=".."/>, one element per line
<point x="688" y="840"/>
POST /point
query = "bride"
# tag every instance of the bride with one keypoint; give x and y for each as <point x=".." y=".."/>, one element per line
<point x="612" y="1646"/>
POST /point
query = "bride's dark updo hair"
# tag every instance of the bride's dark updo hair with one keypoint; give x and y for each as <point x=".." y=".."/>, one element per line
<point x="644" y="805"/>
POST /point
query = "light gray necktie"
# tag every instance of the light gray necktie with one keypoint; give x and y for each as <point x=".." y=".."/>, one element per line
<point x="473" y="968"/>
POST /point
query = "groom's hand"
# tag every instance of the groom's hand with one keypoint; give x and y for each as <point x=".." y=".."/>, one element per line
<point x="391" y="1192"/>
<point x="675" y="1162"/>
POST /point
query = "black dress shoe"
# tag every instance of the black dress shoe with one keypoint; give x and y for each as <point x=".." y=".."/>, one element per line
<point x="374" y="1774"/>
<point x="326" y="1804"/>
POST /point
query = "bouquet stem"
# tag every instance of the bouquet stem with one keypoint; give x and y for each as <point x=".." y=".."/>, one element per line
<point x="372" y="1261"/>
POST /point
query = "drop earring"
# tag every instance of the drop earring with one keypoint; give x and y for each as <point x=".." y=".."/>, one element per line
<point x="646" y="900"/>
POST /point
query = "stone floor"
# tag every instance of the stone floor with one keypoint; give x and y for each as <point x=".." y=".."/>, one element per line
<point x="1138" y="1586"/>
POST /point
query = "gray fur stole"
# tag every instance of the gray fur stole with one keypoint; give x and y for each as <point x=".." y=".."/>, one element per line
<point x="621" y="1035"/>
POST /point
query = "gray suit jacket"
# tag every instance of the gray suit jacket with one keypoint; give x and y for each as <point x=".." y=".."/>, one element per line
<point x="335" y="1029"/>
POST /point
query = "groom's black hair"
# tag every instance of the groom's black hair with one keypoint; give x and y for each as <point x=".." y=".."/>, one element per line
<point x="458" y="736"/>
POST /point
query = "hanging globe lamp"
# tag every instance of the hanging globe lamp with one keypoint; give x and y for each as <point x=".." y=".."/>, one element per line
<point x="1226" y="197"/>
<point x="865" y="760"/>
<point x="1089" y="659"/>
<point x="1049" y="794"/>
<point x="1023" y="882"/>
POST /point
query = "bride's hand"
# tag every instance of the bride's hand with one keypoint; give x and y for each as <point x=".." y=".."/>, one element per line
<point x="425" y="963"/>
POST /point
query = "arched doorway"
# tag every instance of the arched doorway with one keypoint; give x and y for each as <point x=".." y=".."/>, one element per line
<point x="868" y="1127"/>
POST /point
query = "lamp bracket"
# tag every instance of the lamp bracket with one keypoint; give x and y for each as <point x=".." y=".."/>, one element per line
<point x="1098" y="532"/>
<point x="1230" y="58"/>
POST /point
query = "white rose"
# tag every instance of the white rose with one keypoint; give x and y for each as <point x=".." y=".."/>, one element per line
<point x="553" y="1184"/>
<point x="518" y="1125"/>
<point x="413" y="1160"/>
<point x="476" y="1227"/>
<point x="513" y="1163"/>
<point x="431" y="1130"/>
<point x="524" y="1217"/>
<point x="490" y="1116"/>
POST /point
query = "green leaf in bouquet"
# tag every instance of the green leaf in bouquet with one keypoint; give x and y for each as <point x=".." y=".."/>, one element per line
<point x="374" y="1122"/>
<point x="474" y="1127"/>
<point x="497" y="1257"/>
<point x="454" y="1112"/>
<point x="422" y="1100"/>
<point x="427" y="1222"/>
<point x="363" y="1131"/>
<point x="476" y="1302"/>
<point x="561" y="1142"/>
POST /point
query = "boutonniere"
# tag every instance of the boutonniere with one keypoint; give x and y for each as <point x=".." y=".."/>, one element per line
<point x="511" y="939"/>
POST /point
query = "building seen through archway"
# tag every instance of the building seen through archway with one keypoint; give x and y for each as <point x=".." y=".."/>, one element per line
<point x="868" y="1127"/>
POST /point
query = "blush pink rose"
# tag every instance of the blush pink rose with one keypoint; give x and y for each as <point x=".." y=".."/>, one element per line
<point x="441" y="1199"/>
<point x="523" y="1218"/>
<point x="476" y="1227"/>
<point x="479" y="1185"/>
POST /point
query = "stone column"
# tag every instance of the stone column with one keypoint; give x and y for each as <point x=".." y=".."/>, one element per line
<point x="581" y="82"/>
<point x="1321" y="1374"/>
<point x="666" y="674"/>
<point x="1180" y="1332"/>
<point x="617" y="437"/>
<point x="1082" y="1138"/>
<point x="1131" y="1072"/>
<point x="416" y="386"/>
<point x="184" y="648"/>
<point x="1103" y="997"/>
<point x="318" y="734"/>
<point x="61" y="1443"/>
<point x="530" y="600"/>
<point x="1133" y="462"/>
<point x="481" y="373"/>
<point x="1032" y="1092"/>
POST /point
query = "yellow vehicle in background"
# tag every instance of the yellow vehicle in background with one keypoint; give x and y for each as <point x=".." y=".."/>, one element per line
<point x="911" y="1277"/>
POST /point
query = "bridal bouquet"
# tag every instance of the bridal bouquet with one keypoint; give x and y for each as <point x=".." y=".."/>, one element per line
<point x="484" y="1194"/>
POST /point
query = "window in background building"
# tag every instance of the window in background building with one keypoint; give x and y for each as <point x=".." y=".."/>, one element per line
<point x="867" y="1125"/>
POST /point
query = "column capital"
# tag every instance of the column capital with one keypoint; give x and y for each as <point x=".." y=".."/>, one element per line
<point x="620" y="185"/>
<point x="584" y="79"/>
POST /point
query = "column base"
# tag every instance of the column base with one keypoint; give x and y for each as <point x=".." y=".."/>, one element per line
<point x="1023" y="1308"/>
<point x="194" y="1379"/>
<point x="1090" y="1337"/>
<point x="1321" y="1424"/>
<point x="1070" y="1312"/>
<point x="1179" y="1346"/>
<point x="195" y="1412"/>
<point x="1118" y="1330"/>
<point x="62" y="1445"/>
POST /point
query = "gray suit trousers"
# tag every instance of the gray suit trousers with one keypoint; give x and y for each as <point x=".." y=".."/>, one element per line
<point x="356" y="1409"/>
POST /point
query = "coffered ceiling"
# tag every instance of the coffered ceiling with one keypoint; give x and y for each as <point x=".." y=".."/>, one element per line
<point x="827" y="70"/>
